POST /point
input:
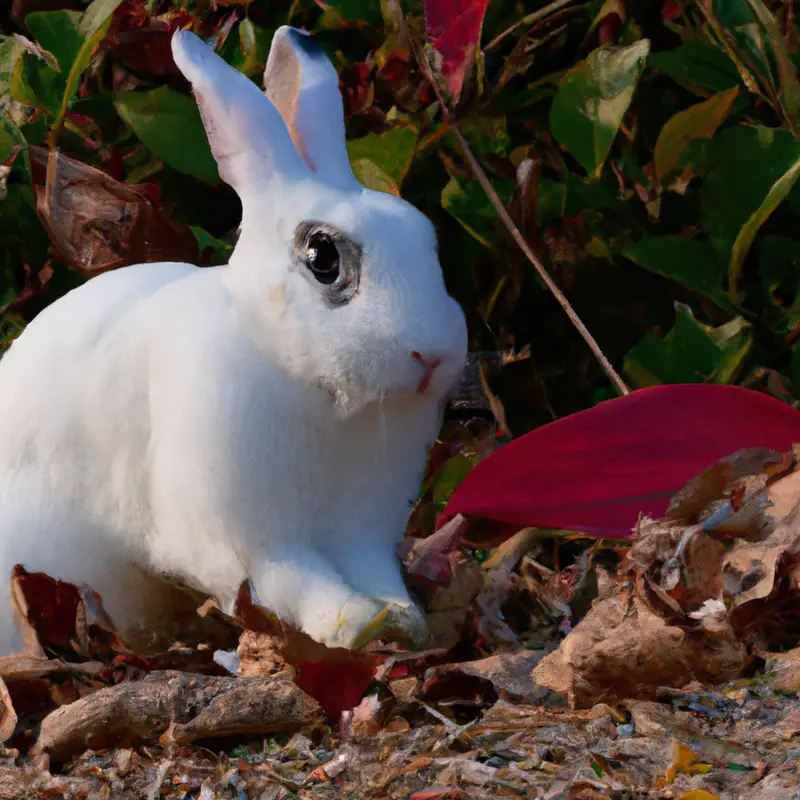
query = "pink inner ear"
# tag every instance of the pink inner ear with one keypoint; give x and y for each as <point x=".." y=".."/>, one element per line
<point x="282" y="86"/>
<point x="596" y="471"/>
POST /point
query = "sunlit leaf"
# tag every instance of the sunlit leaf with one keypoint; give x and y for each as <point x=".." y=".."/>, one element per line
<point x="381" y="161"/>
<point x="592" y="100"/>
<point x="170" y="125"/>
<point x="699" y="121"/>
<point x="97" y="12"/>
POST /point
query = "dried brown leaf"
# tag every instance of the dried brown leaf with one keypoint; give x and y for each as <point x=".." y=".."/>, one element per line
<point x="449" y="607"/>
<point x="750" y="568"/>
<point x="8" y="717"/>
<point x="787" y="669"/>
<point x="623" y="649"/>
<point x="97" y="223"/>
<point x="508" y="672"/>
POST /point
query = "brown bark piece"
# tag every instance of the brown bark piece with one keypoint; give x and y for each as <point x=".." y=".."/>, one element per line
<point x="20" y="667"/>
<point x="183" y="706"/>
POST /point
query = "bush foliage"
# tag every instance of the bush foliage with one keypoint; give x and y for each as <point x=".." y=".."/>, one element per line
<point x="648" y="151"/>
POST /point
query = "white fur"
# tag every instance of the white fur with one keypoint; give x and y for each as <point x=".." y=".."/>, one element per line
<point x="223" y="424"/>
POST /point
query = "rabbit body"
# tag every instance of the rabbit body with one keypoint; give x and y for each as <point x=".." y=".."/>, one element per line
<point x="243" y="422"/>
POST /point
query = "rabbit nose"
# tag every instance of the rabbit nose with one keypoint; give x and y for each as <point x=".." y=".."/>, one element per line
<point x="429" y="364"/>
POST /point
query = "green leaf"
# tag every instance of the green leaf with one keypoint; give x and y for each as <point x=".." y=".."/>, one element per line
<point x="592" y="100"/>
<point x="96" y="15"/>
<point x="10" y="138"/>
<point x="789" y="83"/>
<point x="449" y="477"/>
<point x="690" y="353"/>
<point x="220" y="251"/>
<point x="169" y="124"/>
<point x="359" y="11"/>
<point x="36" y="82"/>
<point x="735" y="340"/>
<point x="699" y="121"/>
<point x="778" y="192"/>
<point x="692" y="263"/>
<point x="80" y="63"/>
<point x="779" y="269"/>
<point x="13" y="85"/>
<point x="468" y="203"/>
<point x="744" y="165"/>
<point x="694" y="65"/>
<point x="57" y="32"/>
<point x="381" y="161"/>
<point x="250" y="57"/>
<point x="732" y="13"/>
<point x="551" y="202"/>
<point x="10" y="53"/>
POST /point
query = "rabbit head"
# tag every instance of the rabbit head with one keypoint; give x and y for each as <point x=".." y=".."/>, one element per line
<point x="340" y="284"/>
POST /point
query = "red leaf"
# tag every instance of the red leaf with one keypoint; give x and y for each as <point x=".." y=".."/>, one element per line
<point x="51" y="606"/>
<point x="596" y="470"/>
<point x="455" y="28"/>
<point x="671" y="10"/>
<point x="337" y="686"/>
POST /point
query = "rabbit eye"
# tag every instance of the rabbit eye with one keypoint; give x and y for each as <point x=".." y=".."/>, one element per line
<point x="323" y="257"/>
<point x="328" y="259"/>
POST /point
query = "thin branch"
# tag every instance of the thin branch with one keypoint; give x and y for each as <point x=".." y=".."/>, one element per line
<point x="495" y="200"/>
<point x="534" y="16"/>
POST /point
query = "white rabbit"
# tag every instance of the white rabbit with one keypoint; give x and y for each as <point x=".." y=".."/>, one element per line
<point x="267" y="420"/>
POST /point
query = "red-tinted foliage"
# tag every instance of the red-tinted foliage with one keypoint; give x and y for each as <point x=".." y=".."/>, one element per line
<point x="455" y="28"/>
<point x="596" y="471"/>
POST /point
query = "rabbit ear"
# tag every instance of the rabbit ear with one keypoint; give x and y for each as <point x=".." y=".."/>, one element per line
<point x="303" y="85"/>
<point x="247" y="135"/>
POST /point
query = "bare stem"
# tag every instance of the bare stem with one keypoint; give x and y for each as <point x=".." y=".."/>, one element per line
<point x="535" y="16"/>
<point x="495" y="200"/>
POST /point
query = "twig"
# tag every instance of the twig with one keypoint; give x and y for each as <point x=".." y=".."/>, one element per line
<point x="529" y="19"/>
<point x="495" y="200"/>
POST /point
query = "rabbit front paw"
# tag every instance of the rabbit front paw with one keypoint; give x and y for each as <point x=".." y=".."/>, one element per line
<point x="401" y="623"/>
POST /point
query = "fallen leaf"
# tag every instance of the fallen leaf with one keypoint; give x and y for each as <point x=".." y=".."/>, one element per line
<point x="787" y="669"/>
<point x="8" y="717"/>
<point x="336" y="677"/>
<point x="429" y="558"/>
<point x="622" y="649"/>
<point x="684" y="762"/>
<point x="508" y="672"/>
<point x="750" y="569"/>
<point x="448" y="608"/>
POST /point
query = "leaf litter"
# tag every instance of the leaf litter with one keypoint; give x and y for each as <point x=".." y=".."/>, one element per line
<point x="556" y="668"/>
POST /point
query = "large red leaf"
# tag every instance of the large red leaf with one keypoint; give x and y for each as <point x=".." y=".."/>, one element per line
<point x="455" y="28"/>
<point x="596" y="470"/>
